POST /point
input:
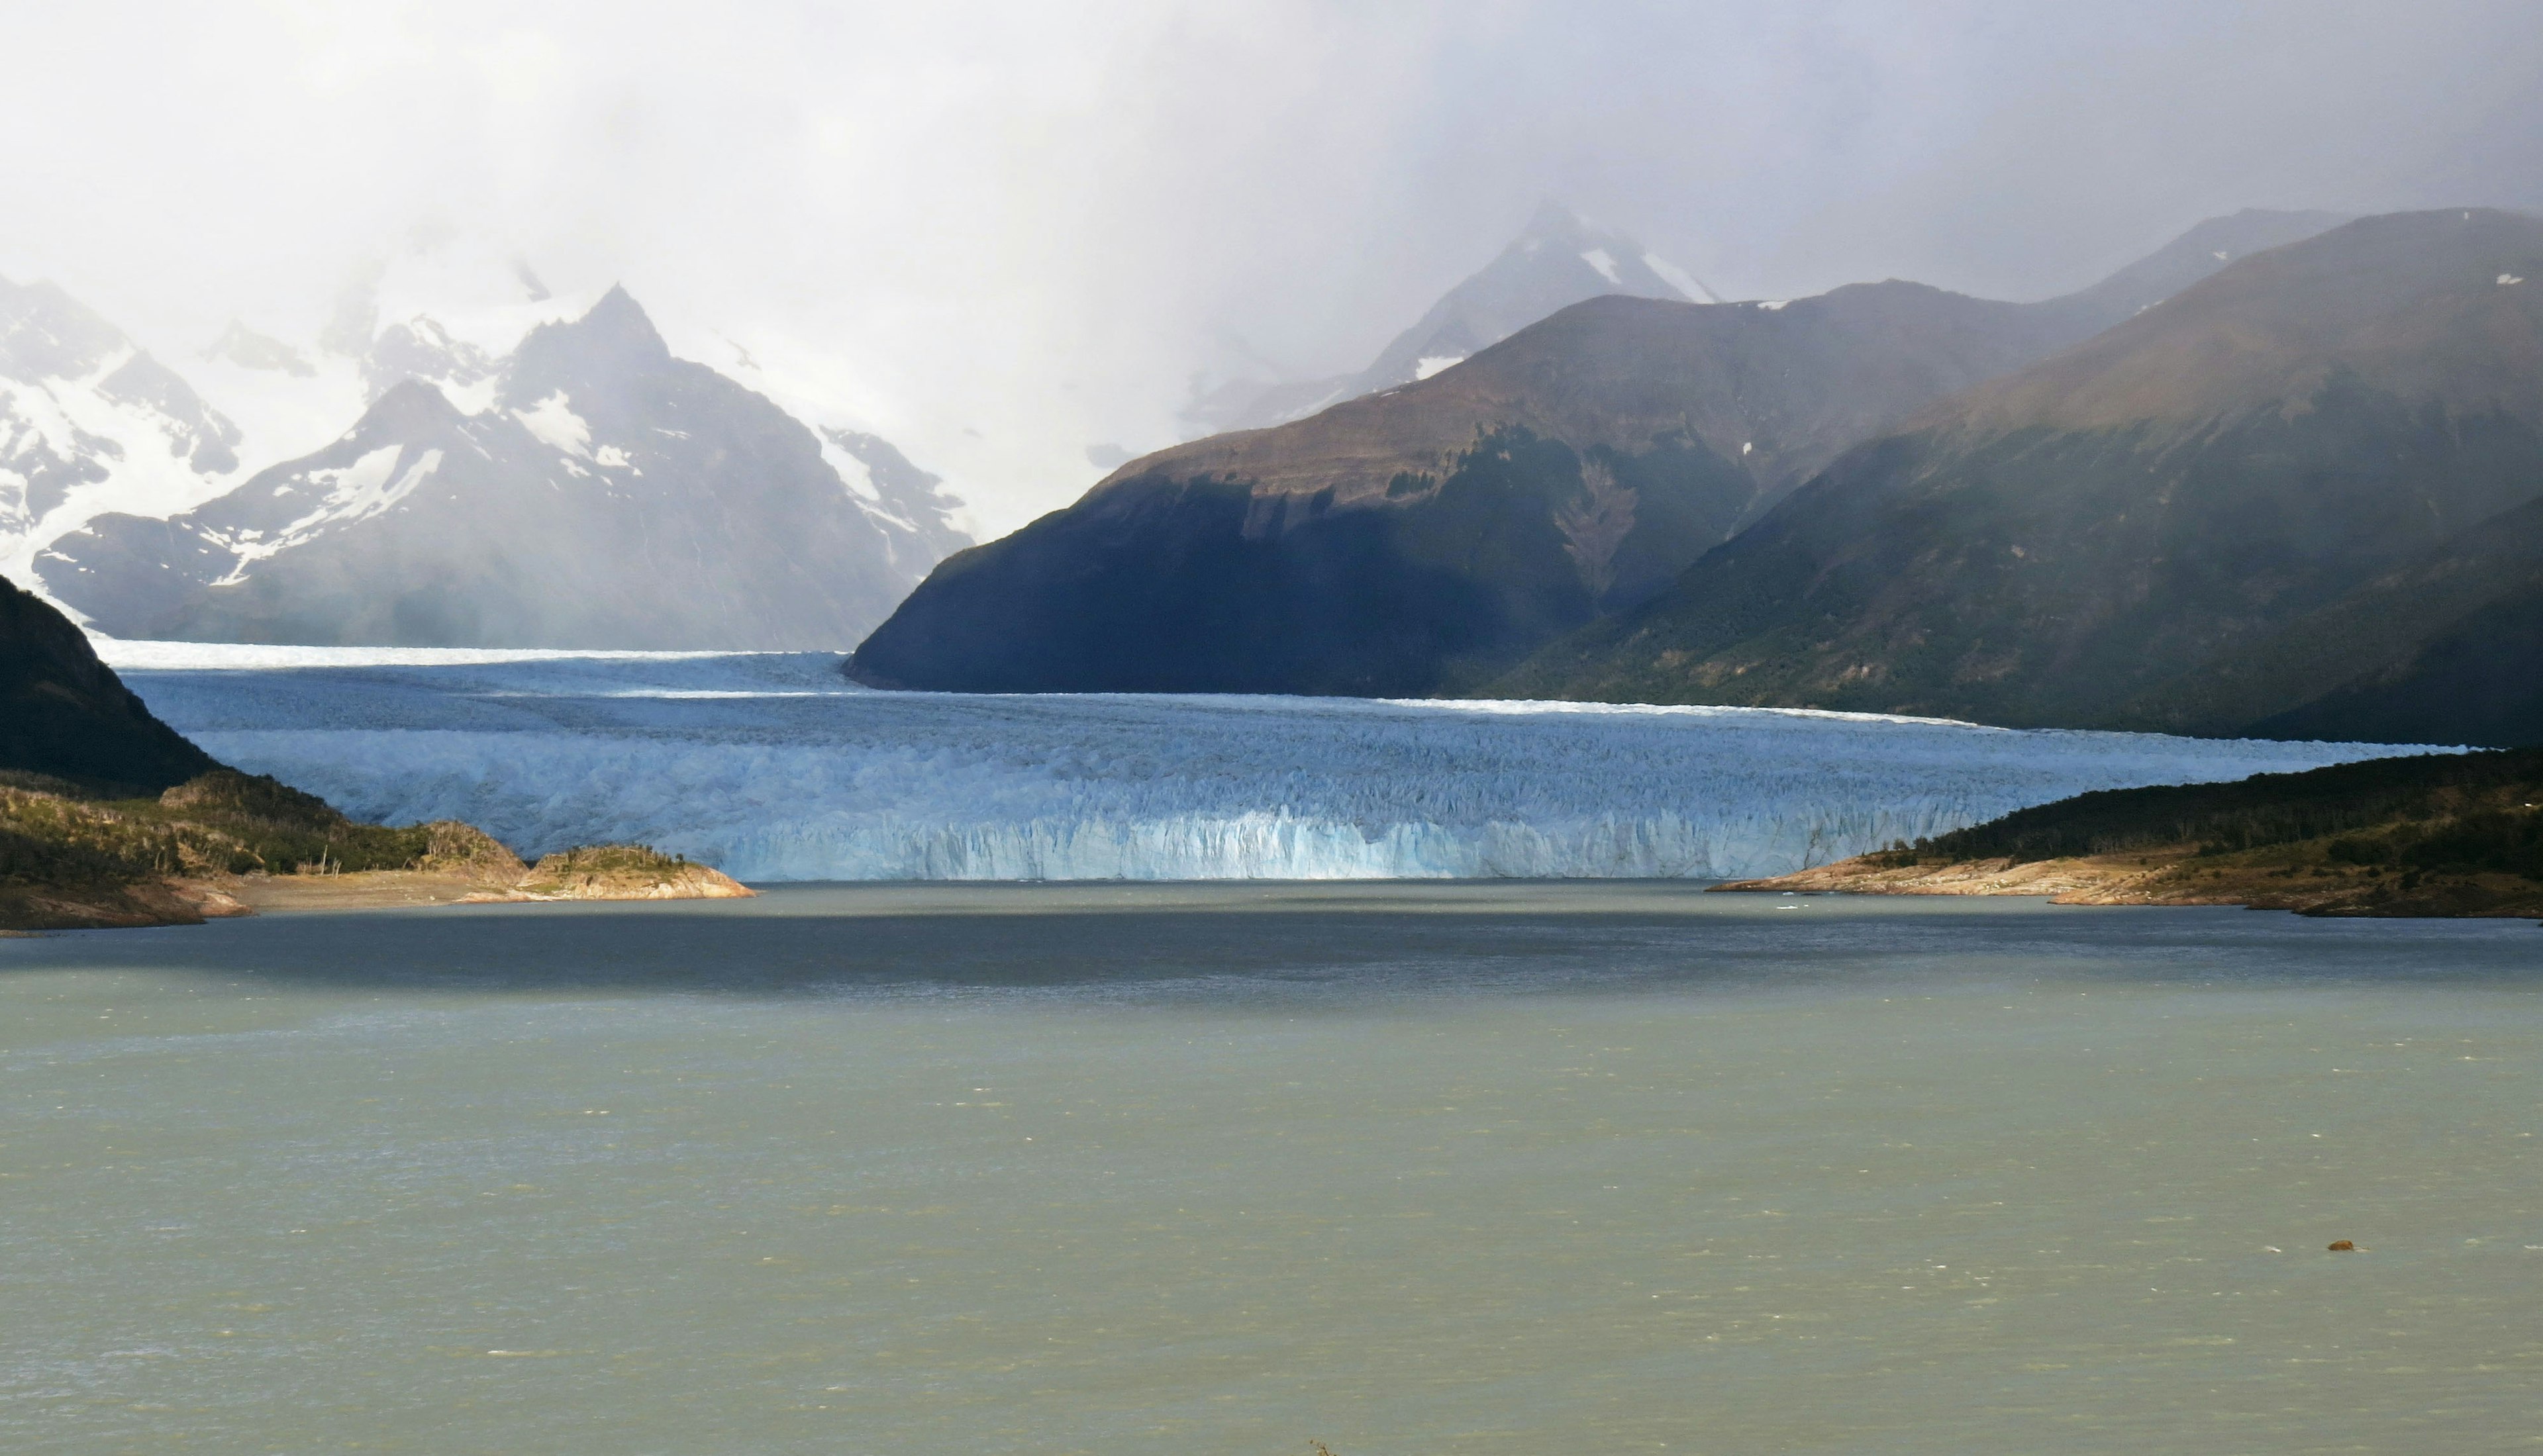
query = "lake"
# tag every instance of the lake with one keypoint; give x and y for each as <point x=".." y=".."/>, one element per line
<point x="1453" y="1166"/>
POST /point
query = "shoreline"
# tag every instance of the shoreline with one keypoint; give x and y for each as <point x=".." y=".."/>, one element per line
<point x="197" y="900"/>
<point x="2179" y="876"/>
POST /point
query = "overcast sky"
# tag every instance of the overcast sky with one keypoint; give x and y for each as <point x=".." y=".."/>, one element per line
<point x="998" y="233"/>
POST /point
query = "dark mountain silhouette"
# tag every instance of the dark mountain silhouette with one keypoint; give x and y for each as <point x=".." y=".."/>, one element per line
<point x="65" y="714"/>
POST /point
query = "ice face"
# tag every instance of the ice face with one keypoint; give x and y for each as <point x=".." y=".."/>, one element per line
<point x="771" y="767"/>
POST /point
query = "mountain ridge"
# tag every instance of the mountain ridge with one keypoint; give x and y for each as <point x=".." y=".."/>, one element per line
<point x="2058" y="546"/>
<point x="609" y="496"/>
<point x="1471" y="515"/>
<point x="1558" y="259"/>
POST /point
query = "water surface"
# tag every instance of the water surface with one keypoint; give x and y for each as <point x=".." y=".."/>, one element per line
<point x="1591" y="1167"/>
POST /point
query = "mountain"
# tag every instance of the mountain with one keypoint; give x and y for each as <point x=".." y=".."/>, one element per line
<point x="2317" y="463"/>
<point x="2446" y="649"/>
<point x="90" y="423"/>
<point x="2194" y="256"/>
<point x="606" y="495"/>
<point x="1560" y="259"/>
<point x="1422" y="539"/>
<point x="65" y="714"/>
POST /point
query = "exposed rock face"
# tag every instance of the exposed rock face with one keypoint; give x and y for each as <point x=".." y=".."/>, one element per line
<point x="1422" y="539"/>
<point x="65" y="714"/>
<point x="2154" y="527"/>
<point x="611" y="497"/>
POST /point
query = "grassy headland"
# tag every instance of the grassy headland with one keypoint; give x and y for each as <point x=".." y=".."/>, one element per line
<point x="2444" y="834"/>
<point x="224" y="843"/>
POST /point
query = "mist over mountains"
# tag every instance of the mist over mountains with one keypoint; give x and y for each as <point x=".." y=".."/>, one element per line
<point x="607" y="496"/>
<point x="1559" y="258"/>
<point x="2279" y="477"/>
<point x="470" y="503"/>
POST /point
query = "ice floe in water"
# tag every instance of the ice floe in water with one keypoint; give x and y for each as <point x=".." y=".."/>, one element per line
<point x="771" y="767"/>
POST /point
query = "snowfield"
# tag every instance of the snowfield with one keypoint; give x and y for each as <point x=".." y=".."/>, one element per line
<point x="771" y="767"/>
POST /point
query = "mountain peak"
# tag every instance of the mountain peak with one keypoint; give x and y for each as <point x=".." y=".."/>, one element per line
<point x="615" y="341"/>
<point x="1555" y="221"/>
<point x="619" y="320"/>
<point x="408" y="408"/>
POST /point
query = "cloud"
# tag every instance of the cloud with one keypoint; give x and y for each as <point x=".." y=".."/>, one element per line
<point x="998" y="233"/>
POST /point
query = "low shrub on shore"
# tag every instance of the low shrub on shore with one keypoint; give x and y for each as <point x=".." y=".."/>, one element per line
<point x="56" y="833"/>
<point x="2449" y="812"/>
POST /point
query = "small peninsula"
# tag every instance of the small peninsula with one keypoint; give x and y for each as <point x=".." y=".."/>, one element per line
<point x="2448" y="834"/>
<point x="111" y="819"/>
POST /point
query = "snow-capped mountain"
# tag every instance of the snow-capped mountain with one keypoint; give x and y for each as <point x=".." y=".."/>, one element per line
<point x="1560" y="259"/>
<point x="90" y="423"/>
<point x="587" y="490"/>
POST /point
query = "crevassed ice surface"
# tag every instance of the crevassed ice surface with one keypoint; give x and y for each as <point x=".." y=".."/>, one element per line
<point x="771" y="767"/>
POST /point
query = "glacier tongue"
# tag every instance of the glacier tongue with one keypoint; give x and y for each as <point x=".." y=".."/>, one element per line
<point x="770" y="767"/>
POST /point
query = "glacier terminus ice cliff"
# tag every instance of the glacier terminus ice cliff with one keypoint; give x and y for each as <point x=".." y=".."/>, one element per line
<point x="770" y="767"/>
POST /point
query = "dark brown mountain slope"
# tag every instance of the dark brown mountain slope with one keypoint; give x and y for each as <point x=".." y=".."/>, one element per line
<point x="65" y="714"/>
<point x="1427" y="537"/>
<point x="2078" y="543"/>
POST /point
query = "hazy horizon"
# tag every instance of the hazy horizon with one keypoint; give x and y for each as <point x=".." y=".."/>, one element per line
<point x="1001" y="234"/>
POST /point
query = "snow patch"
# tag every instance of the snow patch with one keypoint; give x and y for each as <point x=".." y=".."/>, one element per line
<point x="1680" y="278"/>
<point x="1429" y="364"/>
<point x="1605" y="263"/>
<point x="2510" y="280"/>
<point x="472" y="399"/>
<point x="353" y="493"/>
<point x="137" y="451"/>
<point x="555" y="423"/>
<point x="855" y="474"/>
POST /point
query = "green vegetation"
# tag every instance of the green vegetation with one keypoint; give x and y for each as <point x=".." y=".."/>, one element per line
<point x="616" y="866"/>
<point x="610" y="859"/>
<point x="222" y="822"/>
<point x="2445" y="834"/>
<point x="2450" y="809"/>
<point x="70" y="855"/>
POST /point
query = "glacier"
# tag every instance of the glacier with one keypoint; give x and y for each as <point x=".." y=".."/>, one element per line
<point x="771" y="767"/>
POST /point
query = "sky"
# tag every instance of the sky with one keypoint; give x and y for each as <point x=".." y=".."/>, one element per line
<point x="999" y="233"/>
